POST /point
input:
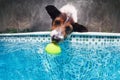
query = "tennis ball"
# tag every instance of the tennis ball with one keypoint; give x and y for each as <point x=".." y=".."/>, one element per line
<point x="53" y="48"/>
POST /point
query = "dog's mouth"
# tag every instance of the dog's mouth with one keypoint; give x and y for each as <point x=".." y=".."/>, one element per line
<point x="55" y="40"/>
<point x="56" y="36"/>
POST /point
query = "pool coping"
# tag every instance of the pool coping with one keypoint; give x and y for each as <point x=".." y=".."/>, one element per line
<point x="89" y="37"/>
<point x="74" y="33"/>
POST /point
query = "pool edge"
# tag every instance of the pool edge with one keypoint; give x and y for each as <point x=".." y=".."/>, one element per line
<point x="74" y="33"/>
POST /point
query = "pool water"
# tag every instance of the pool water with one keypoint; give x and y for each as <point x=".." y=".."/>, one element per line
<point x="79" y="60"/>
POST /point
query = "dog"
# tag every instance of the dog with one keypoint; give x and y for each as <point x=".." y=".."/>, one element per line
<point x="64" y="22"/>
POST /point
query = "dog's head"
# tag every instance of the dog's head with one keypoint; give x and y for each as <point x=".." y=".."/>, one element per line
<point x="62" y="24"/>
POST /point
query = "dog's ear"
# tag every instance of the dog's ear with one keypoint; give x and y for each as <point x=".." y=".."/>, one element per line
<point x="79" y="28"/>
<point x="52" y="11"/>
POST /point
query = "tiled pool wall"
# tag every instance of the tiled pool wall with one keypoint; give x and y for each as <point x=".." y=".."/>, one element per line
<point x="87" y="38"/>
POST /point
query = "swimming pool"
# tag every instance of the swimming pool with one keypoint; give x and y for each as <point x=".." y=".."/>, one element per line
<point x="85" y="56"/>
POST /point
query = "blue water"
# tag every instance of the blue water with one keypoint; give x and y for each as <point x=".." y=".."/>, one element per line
<point x="78" y="61"/>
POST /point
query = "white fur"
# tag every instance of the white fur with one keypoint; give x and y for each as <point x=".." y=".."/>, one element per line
<point x="70" y="11"/>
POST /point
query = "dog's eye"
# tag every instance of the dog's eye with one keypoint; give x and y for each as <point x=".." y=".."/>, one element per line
<point x="68" y="29"/>
<point x="57" y="22"/>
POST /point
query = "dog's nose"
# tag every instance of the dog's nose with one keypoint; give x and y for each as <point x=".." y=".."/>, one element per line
<point x="57" y="36"/>
<point x="55" y="39"/>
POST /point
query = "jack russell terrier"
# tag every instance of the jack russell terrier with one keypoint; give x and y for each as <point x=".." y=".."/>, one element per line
<point x="64" y="22"/>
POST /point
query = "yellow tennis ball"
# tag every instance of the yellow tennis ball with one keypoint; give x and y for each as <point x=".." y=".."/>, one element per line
<point x="52" y="48"/>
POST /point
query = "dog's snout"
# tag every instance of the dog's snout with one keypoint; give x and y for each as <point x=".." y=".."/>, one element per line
<point x="55" y="39"/>
<point x="56" y="36"/>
